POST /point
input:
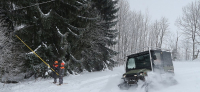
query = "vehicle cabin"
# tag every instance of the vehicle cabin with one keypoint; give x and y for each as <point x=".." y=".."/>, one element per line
<point x="153" y="60"/>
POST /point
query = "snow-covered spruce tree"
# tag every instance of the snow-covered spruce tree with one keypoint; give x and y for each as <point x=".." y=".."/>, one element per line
<point x="11" y="57"/>
<point x="109" y="15"/>
<point x="97" y="51"/>
<point x="98" y="36"/>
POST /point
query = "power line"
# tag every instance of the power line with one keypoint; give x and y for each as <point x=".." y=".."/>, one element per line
<point x="33" y="5"/>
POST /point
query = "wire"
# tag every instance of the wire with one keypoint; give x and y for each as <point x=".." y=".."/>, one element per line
<point x="33" y="5"/>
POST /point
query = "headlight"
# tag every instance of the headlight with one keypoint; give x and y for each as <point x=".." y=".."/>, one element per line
<point x="141" y="74"/>
<point x="124" y="76"/>
<point x="170" y="70"/>
<point x="135" y="75"/>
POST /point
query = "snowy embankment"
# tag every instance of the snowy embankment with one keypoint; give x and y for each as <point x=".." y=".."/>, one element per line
<point x="187" y="75"/>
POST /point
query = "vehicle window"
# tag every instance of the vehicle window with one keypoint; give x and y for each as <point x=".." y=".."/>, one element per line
<point x="167" y="58"/>
<point x="131" y="63"/>
<point x="143" y="61"/>
<point x="158" y="59"/>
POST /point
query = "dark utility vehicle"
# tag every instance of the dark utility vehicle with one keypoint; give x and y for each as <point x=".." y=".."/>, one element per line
<point x="139" y="64"/>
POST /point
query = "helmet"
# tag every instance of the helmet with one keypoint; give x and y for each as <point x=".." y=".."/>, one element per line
<point x="62" y="64"/>
<point x="56" y="62"/>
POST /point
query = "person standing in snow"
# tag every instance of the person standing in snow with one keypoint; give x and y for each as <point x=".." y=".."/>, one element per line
<point x="61" y="73"/>
<point x="56" y="69"/>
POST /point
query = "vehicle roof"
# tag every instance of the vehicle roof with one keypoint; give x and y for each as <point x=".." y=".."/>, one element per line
<point x="141" y="53"/>
<point x="138" y="54"/>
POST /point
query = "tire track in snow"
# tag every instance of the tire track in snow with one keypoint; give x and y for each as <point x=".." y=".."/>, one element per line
<point x="91" y="84"/>
<point x="94" y="82"/>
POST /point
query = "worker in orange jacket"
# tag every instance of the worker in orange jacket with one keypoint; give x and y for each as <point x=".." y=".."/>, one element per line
<point x="56" y="69"/>
<point x="61" y="73"/>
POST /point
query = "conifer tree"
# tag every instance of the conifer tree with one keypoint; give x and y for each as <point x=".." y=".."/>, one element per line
<point x="11" y="57"/>
<point x="100" y="35"/>
<point x="75" y="31"/>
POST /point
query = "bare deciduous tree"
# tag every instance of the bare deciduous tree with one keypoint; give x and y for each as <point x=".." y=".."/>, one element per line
<point x="189" y="23"/>
<point x="164" y="25"/>
<point x="123" y="14"/>
<point x="137" y="31"/>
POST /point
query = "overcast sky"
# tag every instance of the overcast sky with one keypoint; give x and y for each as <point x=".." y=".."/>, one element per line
<point x="171" y="9"/>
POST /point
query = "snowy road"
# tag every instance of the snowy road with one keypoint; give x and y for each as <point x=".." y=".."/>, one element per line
<point x="186" y="73"/>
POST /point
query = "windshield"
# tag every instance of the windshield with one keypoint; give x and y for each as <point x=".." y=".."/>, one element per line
<point x="131" y="63"/>
<point x="139" y="62"/>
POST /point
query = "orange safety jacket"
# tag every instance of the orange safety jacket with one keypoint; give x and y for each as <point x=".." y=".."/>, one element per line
<point x="62" y="67"/>
<point x="55" y="65"/>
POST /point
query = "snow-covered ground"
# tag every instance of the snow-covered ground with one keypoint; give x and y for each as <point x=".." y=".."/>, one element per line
<point x="187" y="75"/>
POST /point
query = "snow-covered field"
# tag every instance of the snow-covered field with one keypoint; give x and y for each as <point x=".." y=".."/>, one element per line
<point x="187" y="75"/>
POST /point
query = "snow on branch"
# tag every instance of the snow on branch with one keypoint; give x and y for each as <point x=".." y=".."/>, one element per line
<point x="42" y="14"/>
<point x="44" y="44"/>
<point x="59" y="31"/>
<point x="34" y="50"/>
<point x="46" y="15"/>
<point x="20" y="27"/>
<point x="74" y="59"/>
<point x="63" y="35"/>
<point x="14" y="6"/>
<point x="73" y="33"/>
<point x="79" y="3"/>
<point x="40" y="11"/>
<point x="87" y="18"/>
<point x="75" y="28"/>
